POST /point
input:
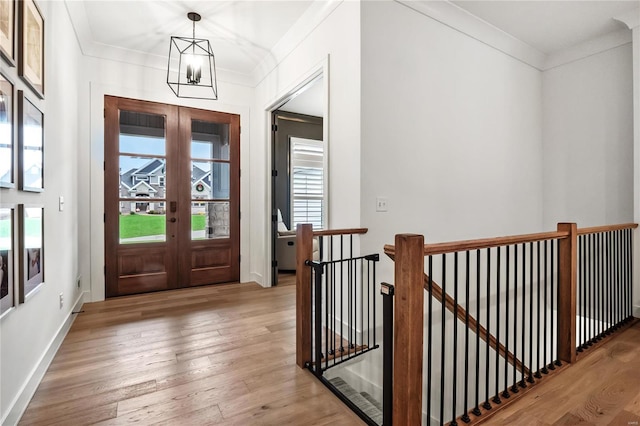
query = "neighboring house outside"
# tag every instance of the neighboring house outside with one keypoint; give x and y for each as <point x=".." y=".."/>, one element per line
<point x="148" y="184"/>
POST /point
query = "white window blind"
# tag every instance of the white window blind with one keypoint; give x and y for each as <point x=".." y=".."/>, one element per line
<point x="307" y="182"/>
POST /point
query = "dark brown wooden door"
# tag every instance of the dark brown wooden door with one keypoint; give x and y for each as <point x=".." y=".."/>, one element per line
<point x="171" y="196"/>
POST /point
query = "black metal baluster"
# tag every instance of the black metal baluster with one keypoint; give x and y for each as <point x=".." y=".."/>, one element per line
<point x="530" y="377"/>
<point x="505" y="393"/>
<point x="546" y="309"/>
<point x="580" y="329"/>
<point x="362" y="327"/>
<point x="597" y="288"/>
<point x="537" y="373"/>
<point x="465" y="417"/>
<point x="514" y="388"/>
<point x="429" y="350"/>
<point x="630" y="238"/>
<point x="387" y="291"/>
<point x="630" y="286"/>
<point x="455" y="336"/>
<point x="523" y="383"/>
<point x="476" y="411"/>
<point x="552" y="311"/>
<point x="608" y="289"/>
<point x="370" y="290"/>
<point x="601" y="286"/>
<point x="487" y="404"/>
<point x="373" y="284"/>
<point x="496" y="398"/>
<point x="616" y="278"/>
<point x="326" y="331"/>
<point x="589" y="290"/>
<point x="318" y="320"/>
<point x="442" y="336"/>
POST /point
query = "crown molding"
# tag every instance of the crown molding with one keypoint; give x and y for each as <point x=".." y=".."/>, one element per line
<point x="463" y="21"/>
<point x="588" y="48"/>
<point x="631" y="18"/>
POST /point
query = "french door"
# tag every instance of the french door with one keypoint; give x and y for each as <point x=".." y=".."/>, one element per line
<point x="172" y="191"/>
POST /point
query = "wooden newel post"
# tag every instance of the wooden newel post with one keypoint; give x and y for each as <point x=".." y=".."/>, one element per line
<point x="567" y="292"/>
<point x="304" y="252"/>
<point x="408" y="330"/>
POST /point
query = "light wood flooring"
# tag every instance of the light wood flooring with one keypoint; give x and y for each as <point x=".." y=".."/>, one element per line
<point x="603" y="388"/>
<point x="222" y="354"/>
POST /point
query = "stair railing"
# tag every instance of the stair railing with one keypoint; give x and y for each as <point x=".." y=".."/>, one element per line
<point x="336" y="309"/>
<point x="523" y="315"/>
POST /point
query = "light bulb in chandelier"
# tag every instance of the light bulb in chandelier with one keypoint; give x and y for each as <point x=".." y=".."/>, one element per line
<point x="194" y="69"/>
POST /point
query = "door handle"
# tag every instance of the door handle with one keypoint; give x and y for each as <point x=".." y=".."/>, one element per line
<point x="173" y="219"/>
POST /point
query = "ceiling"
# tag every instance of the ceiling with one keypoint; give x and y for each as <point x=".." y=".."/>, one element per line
<point x="245" y="33"/>
<point x="551" y="26"/>
<point x="309" y="101"/>
<point x="242" y="33"/>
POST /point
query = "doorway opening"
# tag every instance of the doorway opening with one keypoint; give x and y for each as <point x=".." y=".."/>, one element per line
<point x="298" y="174"/>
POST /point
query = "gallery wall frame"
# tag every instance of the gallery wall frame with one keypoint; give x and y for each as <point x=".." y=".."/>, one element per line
<point x="31" y="243"/>
<point x="31" y="46"/>
<point x="30" y="145"/>
<point x="7" y="257"/>
<point x="7" y="31"/>
<point x="6" y="132"/>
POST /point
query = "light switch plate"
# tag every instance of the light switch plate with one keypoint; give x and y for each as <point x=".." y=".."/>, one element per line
<point x="381" y="204"/>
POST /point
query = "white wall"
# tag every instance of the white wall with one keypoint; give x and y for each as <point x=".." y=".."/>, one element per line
<point x="588" y="140"/>
<point x="451" y="132"/>
<point x="334" y="47"/>
<point x="132" y="81"/>
<point x="27" y="332"/>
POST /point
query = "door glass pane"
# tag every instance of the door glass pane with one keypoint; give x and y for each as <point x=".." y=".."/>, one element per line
<point x="209" y="141"/>
<point x="142" y="177"/>
<point x="209" y="220"/>
<point x="142" y="221"/>
<point x="210" y="180"/>
<point x="142" y="133"/>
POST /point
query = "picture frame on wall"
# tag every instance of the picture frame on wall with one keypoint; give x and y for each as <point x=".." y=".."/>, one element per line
<point x="7" y="252"/>
<point x="7" y="30"/>
<point x="6" y="132"/>
<point x="31" y="249"/>
<point x="31" y="46"/>
<point x="30" y="145"/>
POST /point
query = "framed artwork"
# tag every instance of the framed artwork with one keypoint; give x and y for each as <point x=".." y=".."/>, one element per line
<point x="7" y="22"/>
<point x="30" y="145"/>
<point x="6" y="132"/>
<point x="7" y="299"/>
<point x="31" y="46"/>
<point x="31" y="249"/>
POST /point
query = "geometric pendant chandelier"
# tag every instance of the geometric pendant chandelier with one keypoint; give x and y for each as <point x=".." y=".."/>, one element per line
<point x="191" y="71"/>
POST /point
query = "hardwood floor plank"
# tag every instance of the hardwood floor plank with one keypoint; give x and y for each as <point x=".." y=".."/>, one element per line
<point x="208" y="355"/>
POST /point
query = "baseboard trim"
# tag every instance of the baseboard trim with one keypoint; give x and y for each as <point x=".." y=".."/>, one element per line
<point x="20" y="403"/>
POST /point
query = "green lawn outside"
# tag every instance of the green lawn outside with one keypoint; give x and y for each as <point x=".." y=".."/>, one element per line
<point x="138" y="225"/>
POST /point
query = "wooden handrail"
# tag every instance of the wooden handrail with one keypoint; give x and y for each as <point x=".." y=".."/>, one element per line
<point x="348" y="231"/>
<point x="483" y="243"/>
<point x="606" y="228"/>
